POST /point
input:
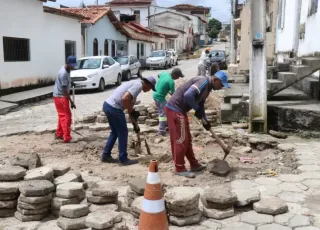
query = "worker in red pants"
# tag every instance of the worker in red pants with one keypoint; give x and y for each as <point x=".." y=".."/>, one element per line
<point x="61" y="98"/>
<point x="190" y="95"/>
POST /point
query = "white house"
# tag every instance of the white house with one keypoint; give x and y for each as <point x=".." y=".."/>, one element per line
<point x="140" y="8"/>
<point x="35" y="41"/>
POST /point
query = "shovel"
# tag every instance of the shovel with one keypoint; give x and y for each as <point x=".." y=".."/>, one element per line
<point x="137" y="145"/>
<point x="73" y="129"/>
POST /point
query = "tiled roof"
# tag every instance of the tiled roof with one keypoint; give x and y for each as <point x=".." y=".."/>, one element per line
<point x="191" y="7"/>
<point x="145" y="30"/>
<point x="130" y="2"/>
<point x="136" y="34"/>
<point x="48" y="0"/>
<point x="92" y="14"/>
<point x="62" y="13"/>
<point x="170" y="12"/>
<point x="169" y="28"/>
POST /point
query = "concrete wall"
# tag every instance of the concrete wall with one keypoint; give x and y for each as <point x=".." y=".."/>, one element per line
<point x="144" y="12"/>
<point x="47" y="34"/>
<point x="103" y="30"/>
<point x="132" y="49"/>
<point x="271" y="36"/>
<point x="245" y="37"/>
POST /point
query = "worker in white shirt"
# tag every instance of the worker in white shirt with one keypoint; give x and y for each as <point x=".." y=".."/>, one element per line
<point x="204" y="58"/>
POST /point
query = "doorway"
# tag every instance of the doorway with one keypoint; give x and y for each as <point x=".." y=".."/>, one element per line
<point x="113" y="49"/>
<point x="138" y="51"/>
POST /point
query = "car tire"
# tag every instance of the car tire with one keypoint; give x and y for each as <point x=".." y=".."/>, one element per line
<point x="139" y="73"/>
<point x="166" y="65"/>
<point x="177" y="62"/>
<point x="102" y="85"/>
<point x="119" y="78"/>
<point x="170" y="65"/>
<point x="128" y="76"/>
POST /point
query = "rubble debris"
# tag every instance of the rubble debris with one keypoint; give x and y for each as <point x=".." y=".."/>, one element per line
<point x="278" y="134"/>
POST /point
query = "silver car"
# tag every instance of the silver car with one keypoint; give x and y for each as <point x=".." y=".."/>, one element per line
<point x="159" y="59"/>
<point x="130" y="66"/>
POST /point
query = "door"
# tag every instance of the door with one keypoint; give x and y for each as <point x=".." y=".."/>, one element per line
<point x="138" y="50"/>
<point x="113" y="70"/>
<point x="106" y="72"/>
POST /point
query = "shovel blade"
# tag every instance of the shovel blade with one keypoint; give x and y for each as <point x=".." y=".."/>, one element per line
<point x="137" y="148"/>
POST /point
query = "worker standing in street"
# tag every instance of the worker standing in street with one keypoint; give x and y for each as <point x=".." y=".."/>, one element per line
<point x="204" y="59"/>
<point x="190" y="95"/>
<point x="61" y="98"/>
<point x="164" y="86"/>
<point x="123" y="98"/>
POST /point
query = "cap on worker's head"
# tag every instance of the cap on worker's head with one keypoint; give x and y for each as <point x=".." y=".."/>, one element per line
<point x="178" y="72"/>
<point x="151" y="81"/>
<point x="72" y="61"/>
<point x="223" y="78"/>
<point x="208" y="49"/>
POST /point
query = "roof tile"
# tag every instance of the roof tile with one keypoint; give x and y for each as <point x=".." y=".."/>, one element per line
<point x="92" y="14"/>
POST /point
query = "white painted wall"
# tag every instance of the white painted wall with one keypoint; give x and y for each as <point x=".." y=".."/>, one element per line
<point x="133" y="48"/>
<point x="47" y="34"/>
<point x="144" y="13"/>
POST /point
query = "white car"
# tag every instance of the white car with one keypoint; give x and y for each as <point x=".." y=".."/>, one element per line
<point x="96" y="72"/>
<point x="159" y="58"/>
<point x="130" y="66"/>
<point x="174" y="57"/>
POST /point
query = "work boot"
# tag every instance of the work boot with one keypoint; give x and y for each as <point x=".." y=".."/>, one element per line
<point x="128" y="162"/>
<point x="186" y="174"/>
<point x="199" y="168"/>
<point x="109" y="159"/>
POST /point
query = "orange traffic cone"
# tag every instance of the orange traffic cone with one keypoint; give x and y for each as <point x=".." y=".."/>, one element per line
<point x="153" y="214"/>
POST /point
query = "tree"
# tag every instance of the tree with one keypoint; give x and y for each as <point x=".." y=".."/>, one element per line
<point x="213" y="33"/>
<point x="214" y="23"/>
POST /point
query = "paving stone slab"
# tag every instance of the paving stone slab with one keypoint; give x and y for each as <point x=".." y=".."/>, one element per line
<point x="184" y="213"/>
<point x="255" y="218"/>
<point x="184" y="221"/>
<point x="180" y="198"/>
<point x="267" y="181"/>
<point x="286" y="147"/>
<point x="246" y="196"/>
<point x="299" y="221"/>
<point x="72" y="224"/>
<point x="209" y="224"/>
<point x="308" y="162"/>
<point x="8" y="204"/>
<point x="12" y="173"/>
<point x="271" y="206"/>
<point x="104" y="207"/>
<point x="219" y="167"/>
<point x="33" y="212"/>
<point x="243" y="184"/>
<point x="309" y="168"/>
<point x="312" y="183"/>
<point x="297" y="208"/>
<point x="59" y="169"/>
<point x="7" y="212"/>
<point x="284" y="219"/>
<point x="269" y="190"/>
<point x="9" y="196"/>
<point x="34" y="161"/>
<point x="74" y="210"/>
<point x="221" y="194"/>
<point x="9" y="187"/>
<point x="66" y="178"/>
<point x="42" y="173"/>
<point x="239" y="226"/>
<point x="293" y="197"/>
<point x="136" y="205"/>
<point x="308" y="228"/>
<point x="101" y="199"/>
<point x="33" y="206"/>
<point x="49" y="225"/>
<point x="293" y="187"/>
<point x="310" y="175"/>
<point x="70" y="190"/>
<point x="130" y="196"/>
<point x="35" y="199"/>
<point x="273" y="227"/>
<point x="28" y="218"/>
<point x="21" y="160"/>
<point x="218" y="214"/>
<point x="58" y="202"/>
<point x="105" y="191"/>
<point x="138" y="185"/>
<point x="36" y="188"/>
<point x="102" y="219"/>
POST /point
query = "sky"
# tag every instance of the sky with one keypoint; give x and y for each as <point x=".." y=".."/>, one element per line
<point x="220" y="9"/>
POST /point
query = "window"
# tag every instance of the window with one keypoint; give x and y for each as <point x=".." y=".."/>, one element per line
<point x="70" y="49"/>
<point x="111" y="61"/>
<point x="138" y="49"/>
<point x="136" y="12"/>
<point x="281" y="13"/>
<point x="16" y="49"/>
<point x="95" y="47"/>
<point x="142" y="49"/>
<point x="106" y="47"/>
<point x="313" y="7"/>
<point x="113" y="49"/>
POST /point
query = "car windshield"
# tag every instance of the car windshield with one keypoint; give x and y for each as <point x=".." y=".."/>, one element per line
<point x="158" y="54"/>
<point x="90" y="63"/>
<point x="121" y="60"/>
<point x="216" y="53"/>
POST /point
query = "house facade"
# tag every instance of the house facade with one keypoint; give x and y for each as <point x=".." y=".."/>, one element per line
<point x="140" y="8"/>
<point x="34" y="44"/>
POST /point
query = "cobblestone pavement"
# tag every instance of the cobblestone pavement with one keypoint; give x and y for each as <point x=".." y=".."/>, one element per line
<point x="43" y="114"/>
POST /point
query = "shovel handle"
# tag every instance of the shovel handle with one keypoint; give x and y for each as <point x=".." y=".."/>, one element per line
<point x="73" y="121"/>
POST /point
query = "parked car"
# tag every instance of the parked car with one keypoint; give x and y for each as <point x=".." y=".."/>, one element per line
<point x="220" y="57"/>
<point x="96" y="72"/>
<point x="158" y="58"/>
<point x="174" y="57"/>
<point x="130" y="66"/>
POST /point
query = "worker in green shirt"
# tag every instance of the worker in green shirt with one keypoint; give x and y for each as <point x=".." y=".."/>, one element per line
<point x="165" y="85"/>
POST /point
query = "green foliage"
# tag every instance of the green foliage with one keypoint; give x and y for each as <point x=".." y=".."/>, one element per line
<point x="215" y="26"/>
<point x="213" y="33"/>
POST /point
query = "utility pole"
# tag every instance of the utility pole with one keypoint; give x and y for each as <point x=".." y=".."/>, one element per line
<point x="232" y="33"/>
<point x="258" y="68"/>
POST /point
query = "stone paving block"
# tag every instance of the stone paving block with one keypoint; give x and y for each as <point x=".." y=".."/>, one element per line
<point x="180" y="198"/>
<point x="308" y="157"/>
<point x="72" y="224"/>
<point x="27" y="218"/>
<point x="34" y="161"/>
<point x="299" y="221"/>
<point x="284" y="219"/>
<point x="293" y="187"/>
<point x="152" y="122"/>
<point x="310" y="175"/>
<point x="312" y="183"/>
<point x="136" y="205"/>
<point x="91" y="180"/>
<point x="273" y="227"/>
<point x="269" y="190"/>
<point x="7" y="212"/>
<point x="184" y="221"/>
<point x="8" y="204"/>
<point x="69" y="177"/>
<point x="286" y="147"/>
<point x="308" y="228"/>
<point x="293" y="197"/>
<point x="239" y="226"/>
<point x="309" y="168"/>
<point x="243" y="184"/>
<point x="36" y="188"/>
<point x="297" y="208"/>
<point x="267" y="181"/>
<point x="221" y="194"/>
<point x="103" y="207"/>
<point x="35" y="199"/>
<point x="58" y="202"/>
<point x="308" y="162"/>
<point x="102" y="219"/>
<point x="42" y="173"/>
<point x="218" y="213"/>
<point x="130" y="196"/>
<point x="271" y="206"/>
<point x="101" y="199"/>
<point x="105" y="191"/>
<point x="185" y="213"/>
<point x="74" y="210"/>
<point x="12" y="173"/>
<point x="210" y="224"/>
<point x="138" y="185"/>
<point x="33" y="206"/>
<point x="8" y="196"/>
<point x="70" y="190"/>
<point x="246" y="196"/>
<point x="21" y="160"/>
<point x="33" y="212"/>
<point x="255" y="218"/>
<point x="9" y="187"/>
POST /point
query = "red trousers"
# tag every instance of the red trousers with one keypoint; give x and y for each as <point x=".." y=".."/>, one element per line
<point x="181" y="141"/>
<point x="64" y="118"/>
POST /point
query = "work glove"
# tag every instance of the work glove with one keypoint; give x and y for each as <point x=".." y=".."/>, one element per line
<point x="135" y="115"/>
<point x="206" y="125"/>
<point x="136" y="128"/>
<point x="73" y="106"/>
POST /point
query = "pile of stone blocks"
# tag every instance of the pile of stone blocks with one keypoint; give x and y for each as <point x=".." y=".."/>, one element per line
<point x="103" y="193"/>
<point x="41" y="173"/>
<point x="73" y="216"/>
<point x="9" y="189"/>
<point x="148" y="115"/>
<point x="102" y="220"/>
<point x="135" y="190"/>
<point x="101" y="118"/>
<point x="35" y="200"/>
<point x="212" y="117"/>
<point x="182" y="205"/>
<point x="218" y="202"/>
